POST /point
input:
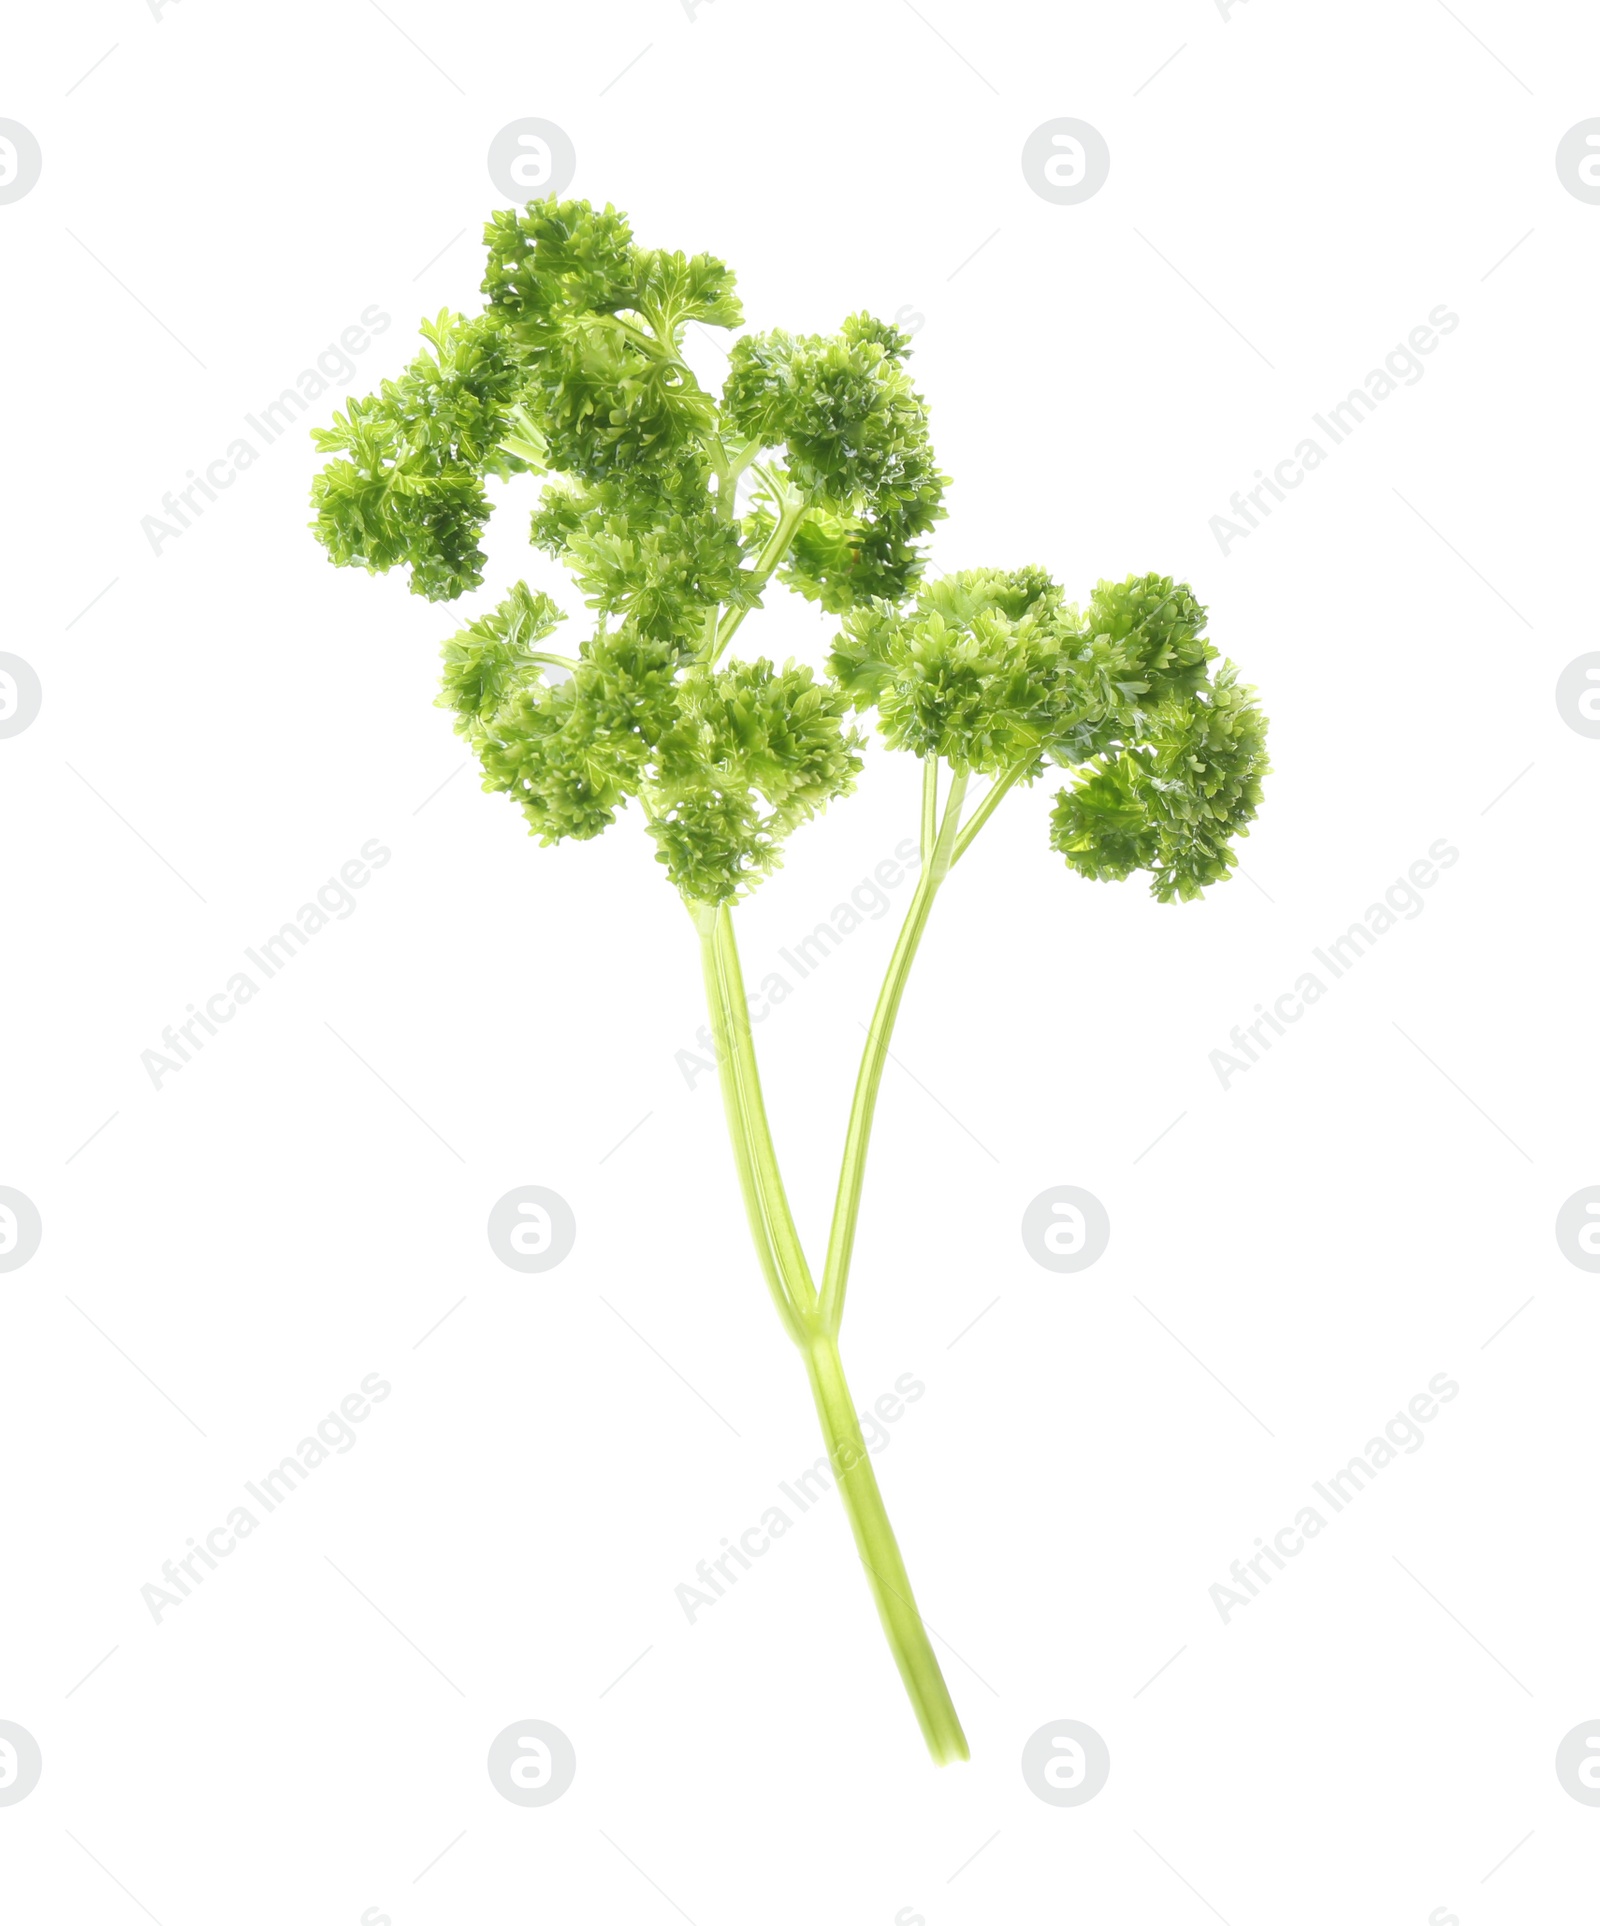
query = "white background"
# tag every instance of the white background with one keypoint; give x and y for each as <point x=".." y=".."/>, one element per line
<point x="1291" y="1262"/>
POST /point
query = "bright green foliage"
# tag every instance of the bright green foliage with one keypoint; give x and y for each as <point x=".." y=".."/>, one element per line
<point x="576" y="369"/>
<point x="1172" y="801"/>
<point x="409" y="486"/>
<point x="997" y="674"/>
<point x="746" y="737"/>
<point x="650" y="547"/>
<point x="857" y="437"/>
<point x="492" y="658"/>
<point x="571" y="751"/>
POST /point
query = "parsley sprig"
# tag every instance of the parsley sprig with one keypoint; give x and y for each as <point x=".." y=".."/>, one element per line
<point x="675" y="510"/>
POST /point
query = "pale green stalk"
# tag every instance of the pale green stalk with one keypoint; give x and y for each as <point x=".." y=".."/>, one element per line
<point x="811" y="1318"/>
<point x="789" y="1279"/>
<point x="858" y="1133"/>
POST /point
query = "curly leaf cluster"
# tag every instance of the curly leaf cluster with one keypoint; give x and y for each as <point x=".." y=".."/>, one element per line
<point x="728" y="761"/>
<point x="995" y="672"/>
<point x="576" y="369"/>
<point x="754" y="751"/>
<point x="408" y="485"/>
<point x="492" y="658"/>
<point x="1173" y="802"/>
<point x="856" y="436"/>
<point x="650" y="549"/>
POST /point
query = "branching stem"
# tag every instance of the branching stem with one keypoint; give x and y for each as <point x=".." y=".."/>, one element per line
<point x="993" y="797"/>
<point x="789" y="1280"/>
<point x="858" y="1133"/>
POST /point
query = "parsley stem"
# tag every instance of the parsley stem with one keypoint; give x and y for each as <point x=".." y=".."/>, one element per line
<point x="792" y="1265"/>
<point x="880" y="1555"/>
<point x="789" y="1280"/>
<point x="993" y="797"/>
<point x="858" y="1133"/>
<point x="771" y="1226"/>
<point x="772" y="553"/>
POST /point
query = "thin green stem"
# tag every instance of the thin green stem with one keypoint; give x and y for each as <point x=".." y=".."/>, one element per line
<point x="791" y="511"/>
<point x="930" y="807"/>
<point x="735" y="1104"/>
<point x="791" y="1258"/>
<point x="993" y="797"/>
<point x="880" y="1555"/>
<point x="642" y="339"/>
<point x="789" y="1280"/>
<point x="858" y="1134"/>
<point x="728" y="468"/>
